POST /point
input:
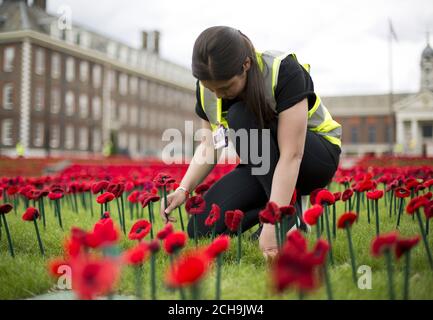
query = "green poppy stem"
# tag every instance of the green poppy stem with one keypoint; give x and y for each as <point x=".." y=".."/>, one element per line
<point x="368" y="212"/>
<point x="213" y="231"/>
<point x="400" y="211"/>
<point x="406" y="275"/>
<point x="151" y="220"/>
<point x="376" y="204"/>
<point x="122" y="206"/>
<point x="239" y="253"/>
<point x="153" y="277"/>
<point x="388" y="259"/>
<point x="334" y="221"/>
<point x="139" y="281"/>
<point x="328" y="235"/>
<point x="165" y="201"/>
<point x="391" y="200"/>
<point x="351" y="251"/>
<point x="44" y="222"/>
<point x="120" y="216"/>
<point x="317" y="230"/>
<point x="91" y="205"/>
<point x="327" y="281"/>
<point x="358" y="202"/>
<point x="195" y="291"/>
<point x="181" y="218"/>
<point x="8" y="235"/>
<point x="41" y="246"/>
<point x="218" y="277"/>
<point x="195" y="230"/>
<point x="59" y="215"/>
<point x="424" y="238"/>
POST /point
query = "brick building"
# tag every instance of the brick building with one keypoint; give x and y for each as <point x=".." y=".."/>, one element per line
<point x="66" y="90"/>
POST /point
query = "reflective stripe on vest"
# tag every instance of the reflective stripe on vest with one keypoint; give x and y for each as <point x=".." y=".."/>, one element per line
<point x="319" y="118"/>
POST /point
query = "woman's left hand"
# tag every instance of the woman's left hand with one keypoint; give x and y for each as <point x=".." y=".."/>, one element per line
<point x="268" y="242"/>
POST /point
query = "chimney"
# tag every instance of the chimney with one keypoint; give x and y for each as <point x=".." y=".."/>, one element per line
<point x="144" y="39"/>
<point x="42" y="4"/>
<point x="156" y="36"/>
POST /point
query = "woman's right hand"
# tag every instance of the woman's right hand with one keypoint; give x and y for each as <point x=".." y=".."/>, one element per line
<point x="174" y="200"/>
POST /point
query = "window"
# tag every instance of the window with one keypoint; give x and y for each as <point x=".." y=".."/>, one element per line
<point x="84" y="139"/>
<point x="427" y="131"/>
<point x="123" y="117"/>
<point x="84" y="106"/>
<point x="39" y="99"/>
<point x="55" y="66"/>
<point x="354" y="134"/>
<point x="113" y="115"/>
<point x="7" y="135"/>
<point x="143" y="117"/>
<point x="69" y="137"/>
<point x="388" y="134"/>
<point x="9" y="57"/>
<point x="8" y="95"/>
<point x="38" y="135"/>
<point x="133" y="85"/>
<point x="70" y="69"/>
<point x="123" y="84"/>
<point x="70" y="103"/>
<point x="143" y="89"/>
<point x="112" y="76"/>
<point x="133" y="116"/>
<point x="55" y="100"/>
<point x="40" y="61"/>
<point x="97" y="76"/>
<point x="371" y="134"/>
<point x="133" y="143"/>
<point x="55" y="136"/>
<point x="84" y="71"/>
<point x="96" y="108"/>
<point x="123" y="140"/>
<point x="97" y="141"/>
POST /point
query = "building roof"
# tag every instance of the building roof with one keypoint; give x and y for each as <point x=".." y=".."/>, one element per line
<point x="362" y="105"/>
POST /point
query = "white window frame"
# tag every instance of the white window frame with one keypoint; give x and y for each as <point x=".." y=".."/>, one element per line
<point x="55" y="100"/>
<point x="38" y="134"/>
<point x="8" y="100"/>
<point x="83" y="141"/>
<point x="9" y="59"/>
<point x="69" y="137"/>
<point x="83" y="106"/>
<point x="55" y="136"/>
<point x="97" y="76"/>
<point x="70" y="69"/>
<point x="7" y="132"/>
<point x="96" y="108"/>
<point x="69" y="103"/>
<point x="39" y="61"/>
<point x="84" y="71"/>
<point x="55" y="65"/>
<point x="96" y="140"/>
<point x="39" y="98"/>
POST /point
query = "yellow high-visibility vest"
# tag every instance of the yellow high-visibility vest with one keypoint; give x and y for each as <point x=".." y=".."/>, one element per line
<point x="319" y="118"/>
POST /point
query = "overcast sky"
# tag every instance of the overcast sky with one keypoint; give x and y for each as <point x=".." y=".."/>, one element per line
<point x="344" y="41"/>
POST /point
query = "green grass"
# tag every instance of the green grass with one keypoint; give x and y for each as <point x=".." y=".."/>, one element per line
<point x="26" y="275"/>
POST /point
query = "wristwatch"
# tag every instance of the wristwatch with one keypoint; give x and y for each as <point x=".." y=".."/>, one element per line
<point x="183" y="190"/>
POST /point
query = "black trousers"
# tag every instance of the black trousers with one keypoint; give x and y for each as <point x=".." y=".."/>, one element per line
<point x="240" y="189"/>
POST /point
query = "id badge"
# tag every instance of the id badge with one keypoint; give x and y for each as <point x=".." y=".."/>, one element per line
<point x="220" y="138"/>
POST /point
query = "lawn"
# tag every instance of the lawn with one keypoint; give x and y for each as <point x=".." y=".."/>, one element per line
<point x="26" y="275"/>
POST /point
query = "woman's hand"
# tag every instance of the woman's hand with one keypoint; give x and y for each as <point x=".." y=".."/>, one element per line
<point x="174" y="200"/>
<point x="268" y="242"/>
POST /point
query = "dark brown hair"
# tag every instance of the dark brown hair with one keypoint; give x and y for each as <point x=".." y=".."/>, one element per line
<point x="219" y="54"/>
